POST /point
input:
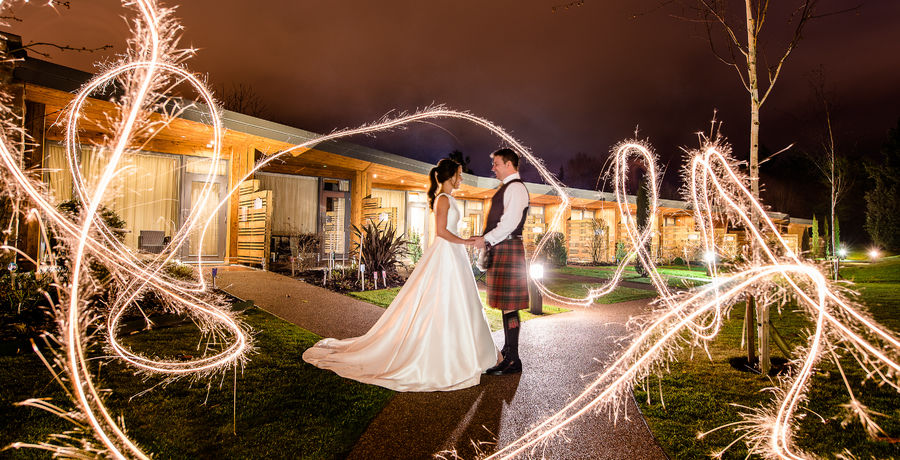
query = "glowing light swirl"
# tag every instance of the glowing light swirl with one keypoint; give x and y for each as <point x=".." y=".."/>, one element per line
<point x="713" y="185"/>
<point x="153" y="54"/>
<point x="713" y="182"/>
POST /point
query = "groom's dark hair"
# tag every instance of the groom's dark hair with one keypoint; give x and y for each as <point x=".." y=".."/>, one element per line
<point x="508" y="156"/>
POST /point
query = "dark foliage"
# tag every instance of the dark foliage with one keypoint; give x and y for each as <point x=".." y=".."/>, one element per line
<point x="883" y="199"/>
<point x="25" y="296"/>
<point x="463" y="160"/>
<point x="24" y="305"/>
<point x="109" y="217"/>
<point x="554" y="252"/>
<point x="643" y="216"/>
<point x="584" y="171"/>
<point x="347" y="280"/>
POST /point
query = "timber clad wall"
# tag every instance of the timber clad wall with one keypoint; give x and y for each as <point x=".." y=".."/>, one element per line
<point x="581" y="233"/>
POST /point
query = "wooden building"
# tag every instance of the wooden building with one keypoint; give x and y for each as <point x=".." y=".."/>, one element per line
<point x="321" y="191"/>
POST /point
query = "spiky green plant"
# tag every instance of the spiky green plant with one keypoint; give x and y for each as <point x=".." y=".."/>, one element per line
<point x="379" y="246"/>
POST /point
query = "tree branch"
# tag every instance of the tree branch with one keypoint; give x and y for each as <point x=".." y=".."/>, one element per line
<point x="711" y="9"/>
<point x="83" y="49"/>
<point x="806" y="13"/>
<point x="566" y="6"/>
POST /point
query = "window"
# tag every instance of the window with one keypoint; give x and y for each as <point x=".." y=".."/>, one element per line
<point x="393" y="199"/>
<point x="295" y="202"/>
<point x="336" y="185"/>
<point x="144" y="193"/>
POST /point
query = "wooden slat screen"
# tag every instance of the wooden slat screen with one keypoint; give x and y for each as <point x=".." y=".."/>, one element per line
<point x="254" y="224"/>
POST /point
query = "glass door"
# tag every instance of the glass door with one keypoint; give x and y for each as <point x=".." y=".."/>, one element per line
<point x="208" y="246"/>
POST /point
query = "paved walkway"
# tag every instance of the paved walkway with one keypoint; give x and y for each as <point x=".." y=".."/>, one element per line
<point x="556" y="352"/>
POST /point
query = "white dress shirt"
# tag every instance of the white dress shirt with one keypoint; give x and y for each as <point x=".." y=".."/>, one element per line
<point x="515" y="200"/>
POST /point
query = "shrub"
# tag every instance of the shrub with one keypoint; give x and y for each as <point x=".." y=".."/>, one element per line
<point x="22" y="291"/>
<point x="109" y="217"/>
<point x="555" y="252"/>
<point x="379" y="247"/>
<point x="24" y="303"/>
<point x="179" y="271"/>
<point x="72" y="209"/>
<point x="307" y="248"/>
<point x="598" y="240"/>
<point x="414" y="248"/>
<point x="620" y="251"/>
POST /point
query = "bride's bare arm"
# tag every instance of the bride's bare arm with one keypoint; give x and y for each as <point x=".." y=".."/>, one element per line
<point x="441" y="206"/>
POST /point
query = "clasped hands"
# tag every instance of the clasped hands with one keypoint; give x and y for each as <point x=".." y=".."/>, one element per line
<point x="476" y="241"/>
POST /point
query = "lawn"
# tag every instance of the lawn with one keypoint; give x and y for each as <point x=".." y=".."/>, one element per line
<point x="384" y="297"/>
<point x="285" y="407"/>
<point x="679" y="276"/>
<point x="619" y="294"/>
<point x="885" y="270"/>
<point x="700" y="395"/>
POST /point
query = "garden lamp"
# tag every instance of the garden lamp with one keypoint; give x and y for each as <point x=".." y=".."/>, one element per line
<point x="535" y="299"/>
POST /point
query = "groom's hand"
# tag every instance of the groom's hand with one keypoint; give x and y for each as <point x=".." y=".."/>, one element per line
<point x="479" y="242"/>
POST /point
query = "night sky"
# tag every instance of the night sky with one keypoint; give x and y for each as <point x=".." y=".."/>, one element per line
<point x="572" y="81"/>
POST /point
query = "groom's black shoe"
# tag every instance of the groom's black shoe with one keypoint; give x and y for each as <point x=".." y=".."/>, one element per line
<point x="507" y="366"/>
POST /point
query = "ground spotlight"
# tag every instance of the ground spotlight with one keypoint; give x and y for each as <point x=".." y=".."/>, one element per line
<point x="537" y="271"/>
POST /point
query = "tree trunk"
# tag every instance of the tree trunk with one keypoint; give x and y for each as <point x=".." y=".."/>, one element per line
<point x="755" y="104"/>
<point x="835" y="251"/>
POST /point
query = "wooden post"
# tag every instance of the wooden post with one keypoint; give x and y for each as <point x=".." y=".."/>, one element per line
<point x="242" y="161"/>
<point x="765" y="361"/>
<point x="33" y="160"/>
<point x="749" y="329"/>
<point x="360" y="187"/>
<point x="15" y="89"/>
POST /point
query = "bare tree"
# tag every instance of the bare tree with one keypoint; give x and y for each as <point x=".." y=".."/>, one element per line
<point x="742" y="52"/>
<point x="740" y="32"/>
<point x="244" y="99"/>
<point x="833" y="166"/>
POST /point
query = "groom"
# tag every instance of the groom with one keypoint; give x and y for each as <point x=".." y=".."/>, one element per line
<point x="507" y="276"/>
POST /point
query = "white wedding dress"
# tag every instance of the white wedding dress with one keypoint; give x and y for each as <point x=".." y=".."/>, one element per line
<point x="434" y="335"/>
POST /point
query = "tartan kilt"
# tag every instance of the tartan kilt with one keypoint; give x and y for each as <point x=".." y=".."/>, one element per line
<point x="507" y="278"/>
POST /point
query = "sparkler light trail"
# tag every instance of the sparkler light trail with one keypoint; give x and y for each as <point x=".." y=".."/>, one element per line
<point x="154" y="63"/>
<point x="714" y="187"/>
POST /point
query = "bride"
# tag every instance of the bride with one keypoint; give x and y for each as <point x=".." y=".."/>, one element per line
<point x="434" y="335"/>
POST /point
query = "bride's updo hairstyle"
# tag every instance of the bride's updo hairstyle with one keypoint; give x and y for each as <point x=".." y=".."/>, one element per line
<point x="444" y="170"/>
